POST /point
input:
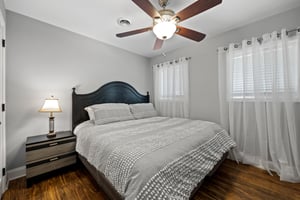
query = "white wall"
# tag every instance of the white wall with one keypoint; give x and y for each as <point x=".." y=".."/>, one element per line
<point x="44" y="60"/>
<point x="204" y="66"/>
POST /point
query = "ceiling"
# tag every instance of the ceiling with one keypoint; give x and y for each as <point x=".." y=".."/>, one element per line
<point x="97" y="19"/>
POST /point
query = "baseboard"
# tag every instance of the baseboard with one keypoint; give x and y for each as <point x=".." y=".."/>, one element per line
<point x="16" y="173"/>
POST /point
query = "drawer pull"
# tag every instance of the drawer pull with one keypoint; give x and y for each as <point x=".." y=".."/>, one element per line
<point x="53" y="159"/>
<point x="53" y="144"/>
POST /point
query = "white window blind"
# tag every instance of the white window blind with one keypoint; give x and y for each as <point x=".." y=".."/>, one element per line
<point x="262" y="71"/>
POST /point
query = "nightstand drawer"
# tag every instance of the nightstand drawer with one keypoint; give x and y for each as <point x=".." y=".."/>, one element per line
<point x="49" y="165"/>
<point x="42" y="150"/>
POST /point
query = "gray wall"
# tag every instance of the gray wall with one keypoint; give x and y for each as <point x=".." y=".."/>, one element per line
<point x="2" y="7"/>
<point x="44" y="60"/>
<point x="204" y="62"/>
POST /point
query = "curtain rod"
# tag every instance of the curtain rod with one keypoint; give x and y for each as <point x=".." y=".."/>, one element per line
<point x="175" y="60"/>
<point x="261" y="38"/>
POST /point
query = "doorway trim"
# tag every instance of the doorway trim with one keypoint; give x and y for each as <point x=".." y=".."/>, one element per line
<point x="3" y="173"/>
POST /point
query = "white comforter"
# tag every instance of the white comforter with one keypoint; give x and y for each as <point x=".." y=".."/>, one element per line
<point x="153" y="157"/>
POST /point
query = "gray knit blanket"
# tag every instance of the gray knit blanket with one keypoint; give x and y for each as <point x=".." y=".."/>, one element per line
<point x="154" y="158"/>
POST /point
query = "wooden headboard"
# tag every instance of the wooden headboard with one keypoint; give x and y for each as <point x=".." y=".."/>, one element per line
<point x="112" y="92"/>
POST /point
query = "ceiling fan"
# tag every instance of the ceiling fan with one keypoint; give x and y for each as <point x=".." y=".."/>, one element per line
<point x="165" y="21"/>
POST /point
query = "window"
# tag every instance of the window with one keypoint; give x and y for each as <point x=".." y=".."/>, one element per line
<point x="263" y="71"/>
<point x="170" y="82"/>
<point x="171" y="88"/>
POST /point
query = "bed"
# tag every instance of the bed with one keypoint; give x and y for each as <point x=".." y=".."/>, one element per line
<point x="145" y="158"/>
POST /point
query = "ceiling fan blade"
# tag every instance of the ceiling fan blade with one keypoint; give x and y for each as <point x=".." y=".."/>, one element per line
<point x="158" y="44"/>
<point x="137" y="31"/>
<point x="196" y="8"/>
<point x="147" y="7"/>
<point x="190" y="34"/>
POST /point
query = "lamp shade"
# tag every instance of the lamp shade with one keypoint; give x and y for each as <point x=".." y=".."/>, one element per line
<point x="50" y="105"/>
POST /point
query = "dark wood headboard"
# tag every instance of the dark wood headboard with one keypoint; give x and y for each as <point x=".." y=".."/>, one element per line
<point x="112" y="92"/>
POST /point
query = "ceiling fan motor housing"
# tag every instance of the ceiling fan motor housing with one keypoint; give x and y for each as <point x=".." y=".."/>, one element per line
<point x="165" y="15"/>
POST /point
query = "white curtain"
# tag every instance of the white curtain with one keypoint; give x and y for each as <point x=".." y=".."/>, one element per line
<point x="259" y="101"/>
<point x="171" y="88"/>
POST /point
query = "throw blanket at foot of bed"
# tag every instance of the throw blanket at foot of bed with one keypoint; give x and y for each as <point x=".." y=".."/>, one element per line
<point x="154" y="158"/>
<point x="179" y="178"/>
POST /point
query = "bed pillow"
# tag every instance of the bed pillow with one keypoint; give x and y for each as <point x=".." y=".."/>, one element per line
<point x="142" y="110"/>
<point x="107" y="113"/>
<point x="91" y="109"/>
<point x="90" y="112"/>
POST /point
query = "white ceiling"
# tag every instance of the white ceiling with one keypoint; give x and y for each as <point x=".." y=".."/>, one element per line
<point x="97" y="19"/>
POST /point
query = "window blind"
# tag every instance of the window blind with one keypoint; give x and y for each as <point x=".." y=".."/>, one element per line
<point x="261" y="71"/>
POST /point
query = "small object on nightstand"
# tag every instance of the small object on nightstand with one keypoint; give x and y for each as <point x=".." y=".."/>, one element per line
<point x="51" y="105"/>
<point x="44" y="154"/>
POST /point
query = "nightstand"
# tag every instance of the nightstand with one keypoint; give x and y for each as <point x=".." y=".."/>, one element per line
<point x="45" y="154"/>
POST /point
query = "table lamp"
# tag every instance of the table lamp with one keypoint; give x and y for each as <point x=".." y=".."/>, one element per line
<point x="51" y="105"/>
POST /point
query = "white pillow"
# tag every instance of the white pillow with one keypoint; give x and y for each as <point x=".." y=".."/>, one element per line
<point x="90" y="112"/>
<point x="91" y="109"/>
<point x="142" y="110"/>
<point x="107" y="113"/>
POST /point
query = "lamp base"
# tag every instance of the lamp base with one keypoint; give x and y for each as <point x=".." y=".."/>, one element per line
<point x="50" y="135"/>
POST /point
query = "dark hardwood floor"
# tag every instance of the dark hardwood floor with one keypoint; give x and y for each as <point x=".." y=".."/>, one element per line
<point x="231" y="181"/>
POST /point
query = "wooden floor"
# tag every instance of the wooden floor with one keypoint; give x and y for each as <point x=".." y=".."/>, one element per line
<point x="231" y="181"/>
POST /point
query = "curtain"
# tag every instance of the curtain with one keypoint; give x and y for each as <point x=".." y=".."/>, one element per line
<point x="259" y="101"/>
<point x="171" y="88"/>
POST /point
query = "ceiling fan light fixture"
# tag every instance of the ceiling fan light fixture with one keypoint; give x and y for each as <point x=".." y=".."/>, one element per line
<point x="164" y="26"/>
<point x="164" y="30"/>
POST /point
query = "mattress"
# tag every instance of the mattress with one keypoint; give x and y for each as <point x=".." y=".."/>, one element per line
<point x="158" y="157"/>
